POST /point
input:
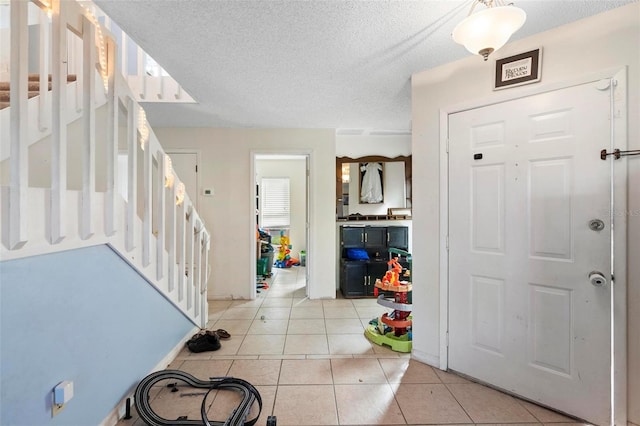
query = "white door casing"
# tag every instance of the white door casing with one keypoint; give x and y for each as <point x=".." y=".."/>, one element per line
<point x="308" y="202"/>
<point x="523" y="315"/>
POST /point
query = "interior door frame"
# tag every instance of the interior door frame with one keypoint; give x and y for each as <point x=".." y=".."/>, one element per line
<point x="618" y="139"/>
<point x="309" y="232"/>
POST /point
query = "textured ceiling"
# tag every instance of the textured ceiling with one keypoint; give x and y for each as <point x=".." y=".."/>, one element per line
<point x="306" y="64"/>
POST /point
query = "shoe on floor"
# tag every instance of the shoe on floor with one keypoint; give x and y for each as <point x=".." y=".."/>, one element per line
<point x="203" y="343"/>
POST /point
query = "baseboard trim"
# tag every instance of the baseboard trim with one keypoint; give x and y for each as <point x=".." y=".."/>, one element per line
<point x="119" y="411"/>
<point x="425" y="358"/>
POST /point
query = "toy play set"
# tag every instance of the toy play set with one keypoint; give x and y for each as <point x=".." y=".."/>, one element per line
<point x="394" y="329"/>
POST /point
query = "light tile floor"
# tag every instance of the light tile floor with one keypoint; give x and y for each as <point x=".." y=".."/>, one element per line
<point x="312" y="365"/>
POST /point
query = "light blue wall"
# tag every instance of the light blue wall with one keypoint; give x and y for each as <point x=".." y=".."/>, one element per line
<point x="82" y="315"/>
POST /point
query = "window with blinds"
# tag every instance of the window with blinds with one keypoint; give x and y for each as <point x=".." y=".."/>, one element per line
<point x="274" y="203"/>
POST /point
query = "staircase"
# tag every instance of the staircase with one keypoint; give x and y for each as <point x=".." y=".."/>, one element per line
<point x="81" y="168"/>
<point x="33" y="88"/>
<point x="68" y="136"/>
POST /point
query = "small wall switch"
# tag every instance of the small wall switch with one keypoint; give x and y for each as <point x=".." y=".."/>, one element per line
<point x="207" y="192"/>
<point x="63" y="392"/>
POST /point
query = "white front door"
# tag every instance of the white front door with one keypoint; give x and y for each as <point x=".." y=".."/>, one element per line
<point x="525" y="181"/>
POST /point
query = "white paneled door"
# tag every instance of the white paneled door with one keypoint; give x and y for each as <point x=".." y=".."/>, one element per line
<point x="527" y="189"/>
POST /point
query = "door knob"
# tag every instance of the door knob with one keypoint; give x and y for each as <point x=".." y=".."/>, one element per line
<point x="597" y="278"/>
<point x="596" y="225"/>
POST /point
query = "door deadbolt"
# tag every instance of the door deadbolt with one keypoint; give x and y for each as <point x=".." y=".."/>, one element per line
<point x="597" y="278"/>
<point x="596" y="225"/>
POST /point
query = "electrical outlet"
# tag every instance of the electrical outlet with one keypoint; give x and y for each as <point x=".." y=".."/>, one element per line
<point x="62" y="393"/>
<point x="207" y="192"/>
<point x="56" y="408"/>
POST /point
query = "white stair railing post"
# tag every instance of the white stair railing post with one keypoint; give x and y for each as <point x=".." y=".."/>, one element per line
<point x="43" y="104"/>
<point x="197" y="275"/>
<point x="112" y="142"/>
<point x="88" y="127"/>
<point x="132" y="166"/>
<point x="205" y="275"/>
<point x="123" y="55"/>
<point x="147" y="171"/>
<point x="160" y="209"/>
<point x="182" y="225"/>
<point x="142" y="74"/>
<point x="73" y="67"/>
<point x="19" y="161"/>
<point x="191" y="245"/>
<point x="58" y="123"/>
<point x="172" y="236"/>
<point x="163" y="83"/>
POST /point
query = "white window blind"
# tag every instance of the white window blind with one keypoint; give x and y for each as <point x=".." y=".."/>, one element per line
<point x="274" y="203"/>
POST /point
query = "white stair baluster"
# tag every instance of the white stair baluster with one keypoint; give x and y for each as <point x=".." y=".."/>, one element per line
<point x="19" y="161"/>
<point x="43" y="102"/>
<point x="132" y="187"/>
<point x="58" y="202"/>
<point x="111" y="144"/>
<point x="89" y="128"/>
<point x="160" y="210"/>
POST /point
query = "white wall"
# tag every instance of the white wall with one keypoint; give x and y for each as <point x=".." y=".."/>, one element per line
<point x="225" y="159"/>
<point x="361" y="146"/>
<point x="295" y="170"/>
<point x="609" y="40"/>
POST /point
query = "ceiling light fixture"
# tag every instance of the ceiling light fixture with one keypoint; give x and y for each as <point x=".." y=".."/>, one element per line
<point x="484" y="32"/>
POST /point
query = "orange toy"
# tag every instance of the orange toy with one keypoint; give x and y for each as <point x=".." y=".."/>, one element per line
<point x="391" y="280"/>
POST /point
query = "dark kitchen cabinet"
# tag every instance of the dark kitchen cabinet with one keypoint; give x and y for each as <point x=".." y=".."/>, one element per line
<point x="357" y="276"/>
<point x="398" y="237"/>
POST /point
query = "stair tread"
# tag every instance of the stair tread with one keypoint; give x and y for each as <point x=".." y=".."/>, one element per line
<point x="33" y="87"/>
<point x="5" y="97"/>
<point x="36" y="77"/>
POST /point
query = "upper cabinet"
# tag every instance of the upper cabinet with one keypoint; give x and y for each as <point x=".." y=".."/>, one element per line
<point x="352" y="237"/>
<point x="363" y="236"/>
<point x="374" y="237"/>
<point x="398" y="237"/>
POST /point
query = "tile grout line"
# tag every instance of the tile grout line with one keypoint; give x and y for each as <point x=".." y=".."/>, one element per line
<point x="395" y="397"/>
<point x="446" y="385"/>
<point x="335" y="394"/>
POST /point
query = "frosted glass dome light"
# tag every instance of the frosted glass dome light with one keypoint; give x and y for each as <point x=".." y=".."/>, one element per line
<point x="488" y="30"/>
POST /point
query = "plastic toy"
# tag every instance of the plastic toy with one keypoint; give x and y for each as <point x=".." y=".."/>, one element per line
<point x="282" y="260"/>
<point x="393" y="329"/>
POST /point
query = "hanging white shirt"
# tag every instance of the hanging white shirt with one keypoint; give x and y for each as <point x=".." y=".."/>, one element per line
<point x="371" y="191"/>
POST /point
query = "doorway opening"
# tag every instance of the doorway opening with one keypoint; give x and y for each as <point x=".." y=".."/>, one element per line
<point x="281" y="223"/>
